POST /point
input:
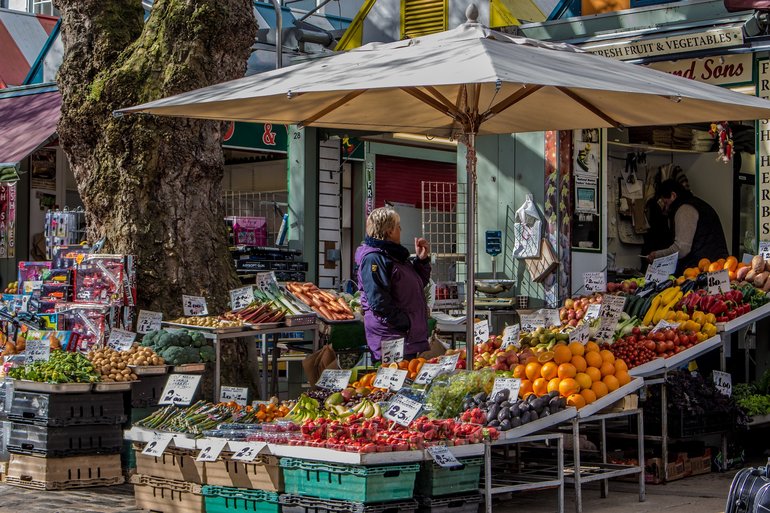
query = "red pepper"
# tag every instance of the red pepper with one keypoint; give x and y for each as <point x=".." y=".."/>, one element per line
<point x="722" y="319"/>
<point x="718" y="307"/>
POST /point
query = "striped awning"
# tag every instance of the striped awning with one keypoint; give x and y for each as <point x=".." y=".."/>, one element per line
<point x="22" y="36"/>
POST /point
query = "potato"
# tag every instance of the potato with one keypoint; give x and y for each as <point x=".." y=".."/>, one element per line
<point x="122" y="365"/>
<point x="758" y="264"/>
<point x="760" y="279"/>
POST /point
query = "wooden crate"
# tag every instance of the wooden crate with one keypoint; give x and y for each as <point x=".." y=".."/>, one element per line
<point x="64" y="473"/>
<point x="167" y="495"/>
<point x="174" y="464"/>
<point x="264" y="473"/>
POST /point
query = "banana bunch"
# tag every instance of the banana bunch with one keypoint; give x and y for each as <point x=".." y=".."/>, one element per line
<point x="306" y="408"/>
<point x="368" y="409"/>
<point x="338" y="411"/>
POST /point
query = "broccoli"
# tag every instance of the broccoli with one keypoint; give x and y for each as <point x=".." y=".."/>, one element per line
<point x="150" y="338"/>
<point x="176" y="355"/>
<point x="198" y="340"/>
<point x="208" y="354"/>
<point x="183" y="339"/>
<point x="164" y="340"/>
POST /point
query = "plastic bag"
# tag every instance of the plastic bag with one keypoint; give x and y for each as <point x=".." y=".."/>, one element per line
<point x="527" y="231"/>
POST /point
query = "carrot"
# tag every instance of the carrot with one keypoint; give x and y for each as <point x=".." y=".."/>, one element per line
<point x="326" y="313"/>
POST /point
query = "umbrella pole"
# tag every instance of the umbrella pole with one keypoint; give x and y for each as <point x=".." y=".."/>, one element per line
<point x="470" y="246"/>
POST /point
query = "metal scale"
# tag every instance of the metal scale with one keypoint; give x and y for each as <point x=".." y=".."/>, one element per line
<point x="486" y="291"/>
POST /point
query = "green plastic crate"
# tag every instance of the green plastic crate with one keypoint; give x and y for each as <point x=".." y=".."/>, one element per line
<point x="434" y="480"/>
<point x="349" y="482"/>
<point x="221" y="499"/>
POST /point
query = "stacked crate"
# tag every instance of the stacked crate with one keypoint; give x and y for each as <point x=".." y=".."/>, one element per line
<point x="60" y="441"/>
<point x="239" y="486"/>
<point x="449" y="489"/>
<point x="169" y="483"/>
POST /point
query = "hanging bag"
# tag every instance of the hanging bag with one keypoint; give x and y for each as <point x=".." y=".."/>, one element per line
<point x="527" y="230"/>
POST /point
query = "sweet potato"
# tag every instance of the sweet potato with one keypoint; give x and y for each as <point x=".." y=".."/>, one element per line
<point x="741" y="273"/>
<point x="758" y="264"/>
<point x="760" y="279"/>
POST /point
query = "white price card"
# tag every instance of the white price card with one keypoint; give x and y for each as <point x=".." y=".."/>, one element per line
<point x="764" y="250"/>
<point x="612" y="307"/>
<point x="245" y="451"/>
<point x="443" y="456"/>
<point x="211" y="448"/>
<point x="402" y="410"/>
<point x="661" y="268"/>
<point x="392" y="351"/>
<point x="551" y="317"/>
<point x="121" y="340"/>
<point x="428" y="371"/>
<point x="663" y="325"/>
<point x="723" y="382"/>
<point x="718" y="282"/>
<point x="238" y="395"/>
<point x="594" y="282"/>
<point x="481" y="331"/>
<point x="392" y="379"/>
<point x="592" y="312"/>
<point x="607" y="329"/>
<point x="449" y="362"/>
<point x="580" y="334"/>
<point x="194" y="306"/>
<point x="148" y="321"/>
<point x="531" y="322"/>
<point x="511" y="336"/>
<point x="179" y="389"/>
<point x="511" y="384"/>
<point x="266" y="281"/>
<point x="37" y="350"/>
<point x="241" y="298"/>
<point x="157" y="444"/>
<point x="334" y="379"/>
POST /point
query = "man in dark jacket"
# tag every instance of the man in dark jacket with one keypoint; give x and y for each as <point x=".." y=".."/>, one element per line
<point x="392" y="285"/>
<point x="697" y="229"/>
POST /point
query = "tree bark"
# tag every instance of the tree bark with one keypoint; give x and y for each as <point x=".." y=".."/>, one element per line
<point x="152" y="185"/>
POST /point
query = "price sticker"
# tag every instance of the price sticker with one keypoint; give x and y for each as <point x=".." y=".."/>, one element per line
<point x="723" y="382"/>
<point x="37" y="349"/>
<point x="148" y="321"/>
<point x="661" y="268"/>
<point x="481" y="331"/>
<point x="443" y="456"/>
<point x="180" y="389"/>
<point x="241" y="298"/>
<point x="402" y="410"/>
<point x="211" y="449"/>
<point x="121" y="340"/>
<point x="663" y="325"/>
<point x="580" y="334"/>
<point x="551" y="317"/>
<point x="334" y="379"/>
<point x="245" y="451"/>
<point x="238" y="395"/>
<point x="157" y="444"/>
<point x="427" y="372"/>
<point x="594" y="282"/>
<point x="764" y="250"/>
<point x="449" y="363"/>
<point x="718" y="282"/>
<point x="194" y="306"/>
<point x="511" y="384"/>
<point x="511" y="336"/>
<point x="592" y="312"/>
<point x="266" y="281"/>
<point x="392" y="379"/>
<point x="531" y="322"/>
<point x="392" y="351"/>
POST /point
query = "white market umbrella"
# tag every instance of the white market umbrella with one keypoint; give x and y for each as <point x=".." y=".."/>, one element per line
<point x="463" y="82"/>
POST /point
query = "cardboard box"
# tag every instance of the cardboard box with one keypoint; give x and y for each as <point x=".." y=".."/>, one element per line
<point x="173" y="464"/>
<point x="264" y="473"/>
<point x="64" y="473"/>
<point x="701" y="464"/>
<point x="165" y="495"/>
<point x="629" y="402"/>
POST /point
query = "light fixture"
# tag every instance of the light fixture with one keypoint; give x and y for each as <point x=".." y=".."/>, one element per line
<point x="425" y="139"/>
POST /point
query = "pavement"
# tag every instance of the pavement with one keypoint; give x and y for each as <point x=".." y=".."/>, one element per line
<point x="702" y="494"/>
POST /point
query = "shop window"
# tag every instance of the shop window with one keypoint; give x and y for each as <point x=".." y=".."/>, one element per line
<point x="42" y="7"/>
<point x="421" y="17"/>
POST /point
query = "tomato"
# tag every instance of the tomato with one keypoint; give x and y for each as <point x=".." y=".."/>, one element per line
<point x="650" y="345"/>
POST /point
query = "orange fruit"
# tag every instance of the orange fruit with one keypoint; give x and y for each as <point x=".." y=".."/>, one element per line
<point x="525" y="389"/>
<point x="623" y="377"/>
<point x="549" y="370"/>
<point x="588" y="395"/>
<point x="607" y="369"/>
<point x="568" y="387"/>
<point x="620" y="365"/>
<point x="594" y="359"/>
<point x="600" y="389"/>
<point x="579" y="362"/>
<point x="592" y="346"/>
<point x="611" y="382"/>
<point x="584" y="380"/>
<point x="519" y="371"/>
<point x="545" y="356"/>
<point x="691" y="272"/>
<point x="530" y="359"/>
<point x="607" y="356"/>
<point x="553" y="385"/>
<point x="561" y="354"/>
<point x="533" y="371"/>
<point x="716" y="266"/>
<point x="540" y="386"/>
<point x="594" y="373"/>
<point x="703" y="264"/>
<point x="576" y="400"/>
<point x="731" y="264"/>
<point x="567" y="370"/>
<point x="577" y="348"/>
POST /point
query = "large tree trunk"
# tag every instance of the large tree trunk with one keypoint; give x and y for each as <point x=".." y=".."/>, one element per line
<point x="151" y="185"/>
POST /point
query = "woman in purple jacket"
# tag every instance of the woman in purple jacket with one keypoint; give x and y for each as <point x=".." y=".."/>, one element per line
<point x="392" y="285"/>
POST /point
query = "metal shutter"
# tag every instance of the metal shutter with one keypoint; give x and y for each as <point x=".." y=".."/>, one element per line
<point x="420" y="17"/>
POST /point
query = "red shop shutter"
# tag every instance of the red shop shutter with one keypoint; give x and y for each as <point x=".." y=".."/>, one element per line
<point x="399" y="180"/>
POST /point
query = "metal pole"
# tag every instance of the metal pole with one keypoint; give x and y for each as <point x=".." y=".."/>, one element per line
<point x="470" y="244"/>
<point x="278" y="34"/>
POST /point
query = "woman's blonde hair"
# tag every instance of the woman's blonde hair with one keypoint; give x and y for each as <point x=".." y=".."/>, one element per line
<point x="382" y="221"/>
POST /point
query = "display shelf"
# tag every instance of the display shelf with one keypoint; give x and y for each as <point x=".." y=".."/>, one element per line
<point x="651" y="368"/>
<point x="609" y="399"/>
<point x="759" y="421"/>
<point x="693" y="352"/>
<point x="144" y="435"/>
<point x="378" y="458"/>
<point x="744" y="320"/>
<point x="540" y="424"/>
<point x="599" y="472"/>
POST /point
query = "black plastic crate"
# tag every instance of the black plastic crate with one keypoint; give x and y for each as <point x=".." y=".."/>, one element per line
<point x="465" y="503"/>
<point x="64" y="441"/>
<point x="146" y="392"/>
<point x="67" y="409"/>
<point x="302" y="504"/>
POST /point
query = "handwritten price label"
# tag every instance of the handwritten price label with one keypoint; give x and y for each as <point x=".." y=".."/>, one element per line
<point x="37" y="350"/>
<point x="764" y="250"/>
<point x="194" y="306"/>
<point x="427" y="372"/>
<point x="592" y="312"/>
<point x="449" y="363"/>
<point x="511" y="336"/>
<point x="661" y="268"/>
<point x="148" y="321"/>
<point x="594" y="282"/>
<point x="180" y="389"/>
<point x="157" y="444"/>
<point x="237" y="395"/>
<point x="511" y="384"/>
<point x="551" y="317"/>
<point x="241" y="298"/>
<point x="579" y="334"/>
<point x="246" y="451"/>
<point x="662" y="325"/>
<point x="443" y="456"/>
<point x="723" y="382"/>
<point x="121" y="340"/>
<point x="402" y="410"/>
<point x="211" y="449"/>
<point x="612" y="307"/>
<point x="481" y="331"/>
<point x="531" y="322"/>
<point x="334" y="379"/>
<point x="392" y="351"/>
<point x="392" y="379"/>
<point x="266" y="281"/>
<point x="718" y="282"/>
